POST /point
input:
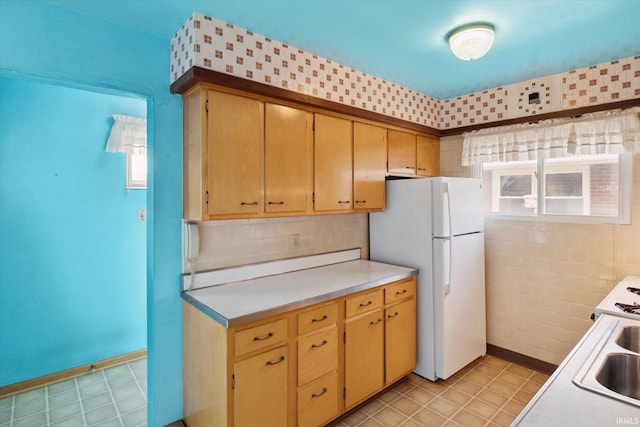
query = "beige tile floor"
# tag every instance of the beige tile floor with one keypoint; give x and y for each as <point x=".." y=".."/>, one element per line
<point x="488" y="392"/>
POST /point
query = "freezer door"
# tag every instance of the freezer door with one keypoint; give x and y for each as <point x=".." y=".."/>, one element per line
<point x="457" y="206"/>
<point x="460" y="319"/>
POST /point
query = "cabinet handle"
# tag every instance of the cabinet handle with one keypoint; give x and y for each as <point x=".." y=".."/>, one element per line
<point x="361" y="201"/>
<point x="367" y="304"/>
<point x="324" y="342"/>
<point x="248" y="204"/>
<point x="402" y="292"/>
<point x="375" y="323"/>
<point x="324" y="317"/>
<point x="422" y="169"/>
<point x="269" y="335"/>
<point x="276" y="203"/>
<point x="324" y="390"/>
<point x="270" y="363"/>
<point x="343" y="201"/>
<point x="389" y="316"/>
<point x="409" y="167"/>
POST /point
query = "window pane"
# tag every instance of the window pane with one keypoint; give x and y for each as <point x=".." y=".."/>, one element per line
<point x="563" y="184"/>
<point x="515" y="185"/>
<point x="582" y="186"/>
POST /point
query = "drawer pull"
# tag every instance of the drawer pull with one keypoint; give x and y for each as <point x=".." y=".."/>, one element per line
<point x="409" y="167"/>
<point x="324" y="317"/>
<point x="402" y="292"/>
<point x="375" y="323"/>
<point x="361" y="202"/>
<point x="324" y="342"/>
<point x="344" y="201"/>
<point x="389" y="316"/>
<point x="367" y="304"/>
<point x="276" y="203"/>
<point x="269" y="335"/>
<point x="324" y="390"/>
<point x="249" y="204"/>
<point x="270" y="363"/>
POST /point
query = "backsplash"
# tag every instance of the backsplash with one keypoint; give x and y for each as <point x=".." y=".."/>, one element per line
<point x="216" y="45"/>
<point x="228" y="243"/>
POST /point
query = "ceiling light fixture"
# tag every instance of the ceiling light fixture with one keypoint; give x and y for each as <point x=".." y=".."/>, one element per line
<point x="471" y="41"/>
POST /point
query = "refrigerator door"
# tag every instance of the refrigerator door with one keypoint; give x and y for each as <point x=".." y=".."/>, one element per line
<point x="460" y="319"/>
<point x="457" y="206"/>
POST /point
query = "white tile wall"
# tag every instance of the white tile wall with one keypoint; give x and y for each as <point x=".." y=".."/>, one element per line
<point x="237" y="242"/>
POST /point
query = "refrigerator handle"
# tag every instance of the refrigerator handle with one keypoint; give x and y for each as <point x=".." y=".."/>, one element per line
<point x="446" y="268"/>
<point x="446" y="210"/>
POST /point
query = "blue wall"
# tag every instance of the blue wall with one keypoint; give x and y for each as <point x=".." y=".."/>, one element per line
<point x="46" y="42"/>
<point x="72" y="254"/>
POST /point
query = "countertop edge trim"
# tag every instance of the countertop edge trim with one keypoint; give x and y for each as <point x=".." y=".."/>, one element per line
<point x="242" y="320"/>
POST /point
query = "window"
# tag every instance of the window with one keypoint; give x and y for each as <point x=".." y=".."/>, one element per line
<point x="136" y="171"/>
<point x="595" y="187"/>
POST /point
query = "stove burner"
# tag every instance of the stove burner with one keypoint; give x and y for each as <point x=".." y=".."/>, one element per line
<point x="629" y="308"/>
<point x="634" y="290"/>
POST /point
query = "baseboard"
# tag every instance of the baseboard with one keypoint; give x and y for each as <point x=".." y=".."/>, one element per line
<point x="56" y="377"/>
<point x="521" y="359"/>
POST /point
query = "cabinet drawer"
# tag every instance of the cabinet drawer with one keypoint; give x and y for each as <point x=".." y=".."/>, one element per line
<point x="364" y="303"/>
<point x="400" y="290"/>
<point x="318" y="402"/>
<point x="318" y="318"/>
<point x="317" y="355"/>
<point x="260" y="336"/>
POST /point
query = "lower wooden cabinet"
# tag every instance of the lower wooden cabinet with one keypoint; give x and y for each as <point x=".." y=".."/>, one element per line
<point x="260" y="389"/>
<point x="301" y="368"/>
<point x="364" y="357"/>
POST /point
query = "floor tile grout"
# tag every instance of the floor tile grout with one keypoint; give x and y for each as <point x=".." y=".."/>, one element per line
<point x="121" y="376"/>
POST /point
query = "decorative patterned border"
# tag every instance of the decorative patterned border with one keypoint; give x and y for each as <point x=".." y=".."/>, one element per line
<point x="216" y="45"/>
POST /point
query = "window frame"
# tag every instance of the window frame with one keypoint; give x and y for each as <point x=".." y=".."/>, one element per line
<point x="130" y="183"/>
<point x="625" y="188"/>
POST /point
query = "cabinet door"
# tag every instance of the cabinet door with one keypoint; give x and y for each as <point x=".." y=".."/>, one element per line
<point x="332" y="163"/>
<point x="288" y="141"/>
<point x="369" y="166"/>
<point x="427" y="156"/>
<point x="402" y="152"/>
<point x="235" y="160"/>
<point x="364" y="357"/>
<point x="400" y="339"/>
<point x="261" y="390"/>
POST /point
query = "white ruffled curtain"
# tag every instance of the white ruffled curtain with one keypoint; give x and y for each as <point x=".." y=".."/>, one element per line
<point x="608" y="132"/>
<point x="128" y="135"/>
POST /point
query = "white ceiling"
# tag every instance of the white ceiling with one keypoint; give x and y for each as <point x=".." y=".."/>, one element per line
<point x="403" y="41"/>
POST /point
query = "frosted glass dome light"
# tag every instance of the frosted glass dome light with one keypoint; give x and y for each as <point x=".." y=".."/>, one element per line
<point x="471" y="41"/>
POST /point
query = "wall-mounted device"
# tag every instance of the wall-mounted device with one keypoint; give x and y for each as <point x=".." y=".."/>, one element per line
<point x="191" y="240"/>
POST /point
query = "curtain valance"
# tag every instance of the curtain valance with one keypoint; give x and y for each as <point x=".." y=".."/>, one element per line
<point x="608" y="132"/>
<point x="128" y="135"/>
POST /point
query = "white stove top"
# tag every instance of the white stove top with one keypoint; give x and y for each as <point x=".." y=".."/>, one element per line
<point x="620" y="294"/>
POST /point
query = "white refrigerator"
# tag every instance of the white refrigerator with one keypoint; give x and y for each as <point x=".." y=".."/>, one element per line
<point x="437" y="226"/>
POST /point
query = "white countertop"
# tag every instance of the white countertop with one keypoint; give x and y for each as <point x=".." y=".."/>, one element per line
<point x="560" y="402"/>
<point x="254" y="299"/>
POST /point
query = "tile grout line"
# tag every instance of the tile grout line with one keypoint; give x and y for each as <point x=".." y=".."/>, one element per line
<point x="82" y="412"/>
<point x="113" y="400"/>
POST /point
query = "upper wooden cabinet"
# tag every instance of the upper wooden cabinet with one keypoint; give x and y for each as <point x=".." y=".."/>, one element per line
<point x="248" y="156"/>
<point x="235" y="144"/>
<point x="332" y="164"/>
<point x="402" y="152"/>
<point x="411" y="154"/>
<point x="288" y="150"/>
<point x="427" y="156"/>
<point x="369" y="166"/>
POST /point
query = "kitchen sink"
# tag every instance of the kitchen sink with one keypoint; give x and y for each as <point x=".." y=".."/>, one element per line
<point x="629" y="338"/>
<point x="613" y="368"/>
<point x="620" y="373"/>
